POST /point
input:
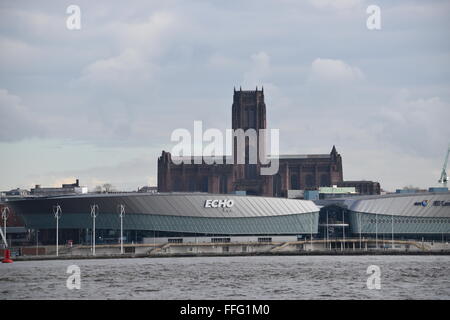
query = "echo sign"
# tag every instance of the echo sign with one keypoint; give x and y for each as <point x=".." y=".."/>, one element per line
<point x="224" y="203"/>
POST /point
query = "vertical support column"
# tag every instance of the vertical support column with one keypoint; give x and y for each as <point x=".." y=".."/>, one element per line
<point x="5" y="214"/>
<point x="392" y="233"/>
<point x="286" y="179"/>
<point x="57" y="213"/>
<point x="328" y="236"/>
<point x="184" y="186"/>
<point x="343" y="228"/>
<point x="376" y="230"/>
<point x="360" y="229"/>
<point x="300" y="184"/>
<point x="94" y="213"/>
<point x="121" y="215"/>
<point x="168" y="180"/>
<point x="330" y="172"/>
<point x="312" y="221"/>
<point x="316" y="175"/>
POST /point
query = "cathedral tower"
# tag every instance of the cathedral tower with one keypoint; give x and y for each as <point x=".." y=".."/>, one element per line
<point x="248" y="114"/>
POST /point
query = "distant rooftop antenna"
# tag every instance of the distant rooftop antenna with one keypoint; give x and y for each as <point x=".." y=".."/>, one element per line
<point x="444" y="177"/>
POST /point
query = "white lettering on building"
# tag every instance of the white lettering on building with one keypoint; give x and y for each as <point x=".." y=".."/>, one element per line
<point x="216" y="203"/>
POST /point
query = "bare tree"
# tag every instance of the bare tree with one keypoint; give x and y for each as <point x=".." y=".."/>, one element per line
<point x="108" y="187"/>
<point x="410" y="187"/>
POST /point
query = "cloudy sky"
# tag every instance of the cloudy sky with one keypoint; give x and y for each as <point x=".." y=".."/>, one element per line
<point x="100" y="103"/>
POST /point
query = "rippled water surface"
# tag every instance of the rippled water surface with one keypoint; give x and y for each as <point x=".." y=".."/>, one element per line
<point x="268" y="277"/>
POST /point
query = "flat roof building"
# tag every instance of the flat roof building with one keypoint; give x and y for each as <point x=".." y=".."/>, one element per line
<point x="72" y="188"/>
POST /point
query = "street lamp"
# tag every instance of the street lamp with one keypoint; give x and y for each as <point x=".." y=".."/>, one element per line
<point x="5" y="214"/>
<point x="312" y="221"/>
<point x="121" y="209"/>
<point x="94" y="213"/>
<point x="328" y="235"/>
<point x="360" y="230"/>
<point x="37" y="242"/>
<point x="57" y="213"/>
<point x="376" y="230"/>
<point x="392" y="232"/>
<point x="343" y="231"/>
<point x="7" y="252"/>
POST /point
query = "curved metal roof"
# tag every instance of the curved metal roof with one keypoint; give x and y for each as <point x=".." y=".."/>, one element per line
<point x="174" y="204"/>
<point x="418" y="204"/>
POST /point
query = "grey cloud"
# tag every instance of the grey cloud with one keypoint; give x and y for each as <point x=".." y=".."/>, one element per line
<point x="135" y="73"/>
<point x="139" y="171"/>
<point x="16" y="120"/>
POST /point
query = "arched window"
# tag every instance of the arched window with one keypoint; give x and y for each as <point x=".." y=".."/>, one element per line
<point x="251" y="156"/>
<point x="191" y="185"/>
<point x="204" y="184"/>
<point x="251" y="171"/>
<point x="325" y="180"/>
<point x="309" y="181"/>
<point x="277" y="185"/>
<point x="223" y="184"/>
<point x="251" y="117"/>
<point x="294" y="182"/>
<point x="176" y="184"/>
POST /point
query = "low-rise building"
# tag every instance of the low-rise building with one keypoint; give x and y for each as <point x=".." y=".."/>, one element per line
<point x="65" y="189"/>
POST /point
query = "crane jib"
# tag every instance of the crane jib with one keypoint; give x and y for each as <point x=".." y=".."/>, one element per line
<point x="444" y="178"/>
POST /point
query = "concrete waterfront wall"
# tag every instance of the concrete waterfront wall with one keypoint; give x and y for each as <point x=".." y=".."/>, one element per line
<point x="217" y="239"/>
<point x="237" y="248"/>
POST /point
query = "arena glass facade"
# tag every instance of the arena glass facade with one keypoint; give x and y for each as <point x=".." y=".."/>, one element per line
<point x="402" y="216"/>
<point x="166" y="215"/>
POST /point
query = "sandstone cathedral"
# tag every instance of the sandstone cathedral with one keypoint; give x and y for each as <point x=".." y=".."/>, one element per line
<point x="296" y="172"/>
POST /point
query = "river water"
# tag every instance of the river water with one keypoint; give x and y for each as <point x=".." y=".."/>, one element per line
<point x="260" y="277"/>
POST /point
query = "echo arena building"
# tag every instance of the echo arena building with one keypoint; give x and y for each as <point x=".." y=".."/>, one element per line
<point x="166" y="215"/>
<point x="402" y="216"/>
